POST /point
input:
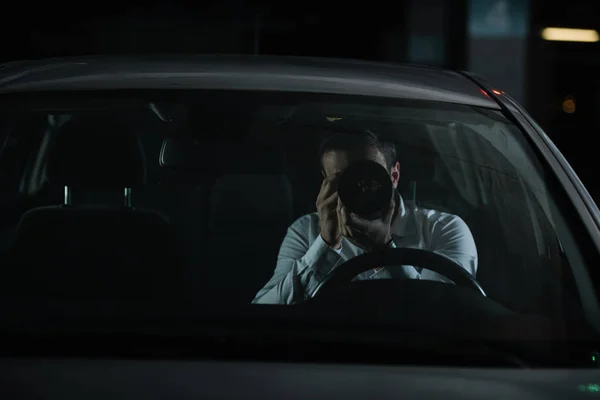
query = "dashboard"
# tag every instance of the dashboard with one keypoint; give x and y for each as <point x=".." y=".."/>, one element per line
<point x="35" y="378"/>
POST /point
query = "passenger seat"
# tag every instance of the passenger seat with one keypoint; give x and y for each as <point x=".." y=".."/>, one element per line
<point x="182" y="194"/>
<point x="101" y="255"/>
<point x="250" y="210"/>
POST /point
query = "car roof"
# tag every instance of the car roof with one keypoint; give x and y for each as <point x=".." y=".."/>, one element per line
<point x="239" y="72"/>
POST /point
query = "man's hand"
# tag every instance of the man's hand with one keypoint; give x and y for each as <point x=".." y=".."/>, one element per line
<point x="327" y="201"/>
<point x="368" y="235"/>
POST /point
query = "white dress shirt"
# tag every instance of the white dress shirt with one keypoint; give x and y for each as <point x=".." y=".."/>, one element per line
<point x="305" y="259"/>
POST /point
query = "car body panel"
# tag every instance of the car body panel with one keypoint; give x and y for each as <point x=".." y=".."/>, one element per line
<point x="243" y="73"/>
<point x="125" y="379"/>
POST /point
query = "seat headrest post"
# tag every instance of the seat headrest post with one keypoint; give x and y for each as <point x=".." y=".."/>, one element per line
<point x="127" y="197"/>
<point x="67" y="196"/>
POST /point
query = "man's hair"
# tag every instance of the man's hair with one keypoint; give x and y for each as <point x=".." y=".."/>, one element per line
<point x="355" y="143"/>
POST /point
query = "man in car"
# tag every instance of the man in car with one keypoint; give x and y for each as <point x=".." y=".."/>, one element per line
<point x="317" y="243"/>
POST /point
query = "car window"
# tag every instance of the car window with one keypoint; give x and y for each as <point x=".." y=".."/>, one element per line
<point x="227" y="177"/>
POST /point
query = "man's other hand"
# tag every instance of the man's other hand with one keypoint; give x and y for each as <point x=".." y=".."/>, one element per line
<point x="366" y="234"/>
<point x="327" y="202"/>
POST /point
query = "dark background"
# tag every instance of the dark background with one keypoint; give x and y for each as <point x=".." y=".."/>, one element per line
<point x="498" y="39"/>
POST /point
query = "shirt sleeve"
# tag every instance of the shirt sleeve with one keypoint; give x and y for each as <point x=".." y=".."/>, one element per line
<point x="301" y="265"/>
<point x="451" y="237"/>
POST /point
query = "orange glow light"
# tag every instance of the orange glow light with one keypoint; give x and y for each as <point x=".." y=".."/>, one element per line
<point x="569" y="105"/>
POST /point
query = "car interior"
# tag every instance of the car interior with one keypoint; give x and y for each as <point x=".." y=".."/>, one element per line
<point x="129" y="207"/>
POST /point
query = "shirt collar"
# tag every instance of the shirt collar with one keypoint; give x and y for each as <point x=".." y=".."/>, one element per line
<point x="404" y="225"/>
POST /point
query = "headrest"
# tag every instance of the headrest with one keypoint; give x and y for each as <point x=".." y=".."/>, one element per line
<point x="257" y="201"/>
<point x="415" y="152"/>
<point x="416" y="164"/>
<point x="222" y="158"/>
<point x="250" y="158"/>
<point x="186" y="154"/>
<point x="96" y="153"/>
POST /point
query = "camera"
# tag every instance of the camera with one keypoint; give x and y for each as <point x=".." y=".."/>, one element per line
<point x="365" y="188"/>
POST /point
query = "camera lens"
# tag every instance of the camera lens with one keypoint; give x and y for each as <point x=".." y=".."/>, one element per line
<point x="366" y="189"/>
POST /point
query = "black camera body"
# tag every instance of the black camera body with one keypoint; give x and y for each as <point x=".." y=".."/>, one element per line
<point x="365" y="188"/>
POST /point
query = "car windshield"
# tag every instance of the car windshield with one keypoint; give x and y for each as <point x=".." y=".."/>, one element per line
<point x="221" y="203"/>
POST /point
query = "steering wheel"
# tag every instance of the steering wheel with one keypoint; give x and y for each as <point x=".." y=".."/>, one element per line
<point x="343" y="274"/>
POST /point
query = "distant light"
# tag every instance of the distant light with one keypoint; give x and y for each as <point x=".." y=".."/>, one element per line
<point x="484" y="92"/>
<point x="568" y="105"/>
<point x="590" y="388"/>
<point x="496" y="92"/>
<point x="570" y="35"/>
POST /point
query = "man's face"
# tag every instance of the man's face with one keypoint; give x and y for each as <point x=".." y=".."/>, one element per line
<point x="335" y="162"/>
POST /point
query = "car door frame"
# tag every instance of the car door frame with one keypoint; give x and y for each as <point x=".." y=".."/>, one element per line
<point x="586" y="279"/>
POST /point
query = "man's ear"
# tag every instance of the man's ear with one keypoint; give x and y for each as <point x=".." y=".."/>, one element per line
<point x="395" y="174"/>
